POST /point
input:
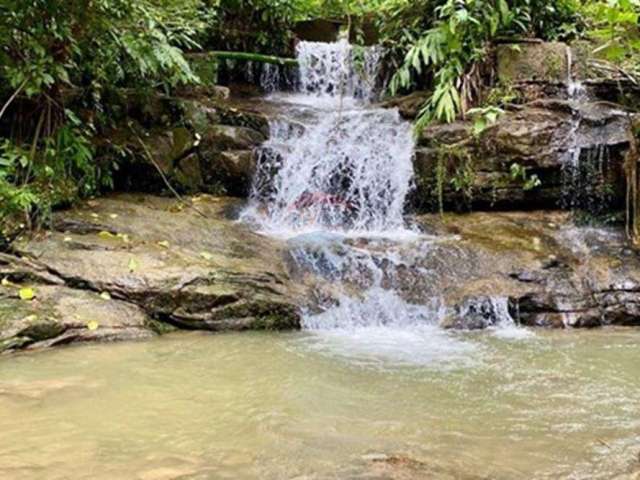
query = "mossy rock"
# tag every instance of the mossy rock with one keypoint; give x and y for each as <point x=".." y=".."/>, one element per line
<point x="533" y="62"/>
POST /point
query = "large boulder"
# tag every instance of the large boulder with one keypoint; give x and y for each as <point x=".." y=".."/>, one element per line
<point x="136" y="264"/>
<point x="59" y="315"/>
<point x="564" y="145"/>
<point x="537" y="268"/>
<point x="533" y="62"/>
<point x="189" y="143"/>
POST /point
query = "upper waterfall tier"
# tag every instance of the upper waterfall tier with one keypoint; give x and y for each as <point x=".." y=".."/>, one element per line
<point x="333" y="161"/>
<point x="339" y="70"/>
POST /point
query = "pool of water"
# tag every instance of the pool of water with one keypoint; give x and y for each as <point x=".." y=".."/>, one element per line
<point x="319" y="405"/>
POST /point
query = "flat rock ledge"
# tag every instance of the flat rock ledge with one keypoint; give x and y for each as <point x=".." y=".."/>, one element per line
<point x="133" y="266"/>
<point x="536" y="268"/>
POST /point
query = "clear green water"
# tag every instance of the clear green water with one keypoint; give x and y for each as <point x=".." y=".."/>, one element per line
<point x="314" y="406"/>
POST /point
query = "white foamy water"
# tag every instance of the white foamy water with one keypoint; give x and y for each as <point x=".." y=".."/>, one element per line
<point x="335" y="163"/>
<point x="338" y="70"/>
<point x="333" y="178"/>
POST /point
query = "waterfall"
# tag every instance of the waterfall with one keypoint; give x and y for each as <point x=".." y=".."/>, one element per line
<point x="337" y="163"/>
<point x="585" y="167"/>
<point x="339" y="70"/>
<point x="332" y="179"/>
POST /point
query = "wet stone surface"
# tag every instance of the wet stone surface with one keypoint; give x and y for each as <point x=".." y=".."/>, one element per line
<point x="126" y="266"/>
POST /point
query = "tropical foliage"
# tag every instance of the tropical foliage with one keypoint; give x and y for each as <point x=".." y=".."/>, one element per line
<point x="60" y="59"/>
<point x="451" y="42"/>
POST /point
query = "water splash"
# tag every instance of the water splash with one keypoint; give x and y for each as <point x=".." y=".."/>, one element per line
<point x="585" y="180"/>
<point x="339" y="70"/>
<point x="347" y="171"/>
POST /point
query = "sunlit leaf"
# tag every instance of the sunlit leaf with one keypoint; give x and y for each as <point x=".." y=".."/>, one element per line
<point x="92" y="325"/>
<point x="27" y="294"/>
<point x="133" y="265"/>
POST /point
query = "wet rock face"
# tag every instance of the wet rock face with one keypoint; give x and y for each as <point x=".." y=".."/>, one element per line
<point x="139" y="264"/>
<point x="479" y="312"/>
<point x="536" y="267"/>
<point x="540" y="139"/>
<point x="59" y="315"/>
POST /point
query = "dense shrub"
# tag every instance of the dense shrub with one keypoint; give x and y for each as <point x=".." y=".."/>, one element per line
<point x="58" y="58"/>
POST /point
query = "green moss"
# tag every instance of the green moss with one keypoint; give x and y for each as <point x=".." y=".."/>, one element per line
<point x="277" y="321"/>
<point x="205" y="66"/>
<point x="554" y="66"/>
<point x="40" y="331"/>
<point x="14" y="343"/>
<point x="160" y="327"/>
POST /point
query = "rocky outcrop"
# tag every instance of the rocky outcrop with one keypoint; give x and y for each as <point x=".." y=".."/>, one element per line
<point x="546" y="62"/>
<point x="131" y="265"/>
<point x="199" y="141"/>
<point x="532" y="156"/>
<point x="535" y="267"/>
<point x="479" y="312"/>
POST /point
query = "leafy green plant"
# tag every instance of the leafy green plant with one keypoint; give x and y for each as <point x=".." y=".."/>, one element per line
<point x="452" y="47"/>
<point x="613" y="24"/>
<point x="529" y="182"/>
<point x="449" y="40"/>
<point x="484" y="117"/>
<point x="58" y="60"/>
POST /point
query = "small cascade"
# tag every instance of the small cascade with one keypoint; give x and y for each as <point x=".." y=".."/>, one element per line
<point x="339" y="70"/>
<point x="270" y="77"/>
<point x="576" y="90"/>
<point x="585" y="182"/>
<point x="584" y="172"/>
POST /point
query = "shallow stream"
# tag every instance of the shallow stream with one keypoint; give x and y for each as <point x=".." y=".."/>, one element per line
<point x="551" y="405"/>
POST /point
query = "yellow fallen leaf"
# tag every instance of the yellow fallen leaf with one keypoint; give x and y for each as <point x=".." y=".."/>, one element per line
<point x="113" y="215"/>
<point x="106" y="235"/>
<point x="124" y="237"/>
<point x="27" y="294"/>
<point x="206" y="255"/>
<point x="164" y="244"/>
<point x="105" y="296"/>
<point x="133" y="265"/>
<point x="92" y="325"/>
